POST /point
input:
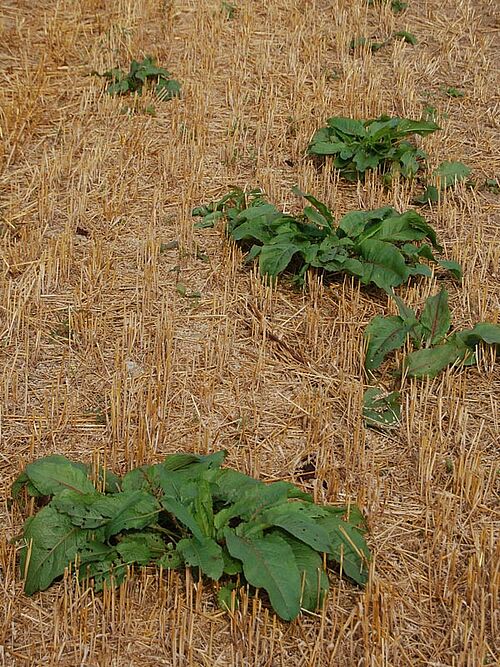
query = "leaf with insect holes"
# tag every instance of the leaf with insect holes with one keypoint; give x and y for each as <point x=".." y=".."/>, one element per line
<point x="141" y="547"/>
<point x="435" y="318"/>
<point x="269" y="563"/>
<point x="116" y="512"/>
<point x="204" y="553"/>
<point x="380" y="408"/>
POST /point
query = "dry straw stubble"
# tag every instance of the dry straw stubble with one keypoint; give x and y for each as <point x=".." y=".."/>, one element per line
<point x="102" y="358"/>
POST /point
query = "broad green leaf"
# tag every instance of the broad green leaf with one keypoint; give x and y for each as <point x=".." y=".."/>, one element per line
<point x="436" y="318"/>
<point x="23" y="481"/>
<point x="353" y="224"/>
<point x="380" y="408"/>
<point x="348" y="547"/>
<point x="274" y="259"/>
<point x="364" y="159"/>
<point x="314" y="580"/>
<point x="430" y="195"/>
<point x="269" y="563"/>
<point x="450" y="173"/>
<point x="409" y="226"/>
<point x="140" y="548"/>
<point x="483" y="331"/>
<point x="347" y="126"/>
<point x="383" y="264"/>
<point x="384" y="334"/>
<point x="231" y="565"/>
<point x="167" y="89"/>
<point x="143" y="478"/>
<point x="324" y="148"/>
<point x="429" y="362"/>
<point x="117" y="512"/>
<point x="298" y="519"/>
<point x="250" y="500"/>
<point x="318" y="205"/>
<point x="205" y="554"/>
<point x="182" y="513"/>
<point x="421" y="127"/>
<point x="52" y="474"/>
<point x="453" y="267"/>
<point x="51" y="543"/>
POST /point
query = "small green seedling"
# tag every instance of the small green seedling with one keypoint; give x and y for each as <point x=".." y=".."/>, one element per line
<point x="397" y="6"/>
<point x="187" y="511"/>
<point x="492" y="185"/>
<point x="374" y="46"/>
<point x="228" y="9"/>
<point x="453" y="92"/>
<point x="429" y="334"/>
<point x="357" y="146"/>
<point x="133" y="81"/>
<point x="380" y="247"/>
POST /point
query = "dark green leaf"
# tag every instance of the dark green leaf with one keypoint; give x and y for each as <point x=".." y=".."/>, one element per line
<point x="269" y="563"/>
<point x="204" y="553"/>
<point x="406" y="36"/>
<point x="314" y="580"/>
<point x="384" y="334"/>
<point x="226" y="598"/>
<point x="298" y="519"/>
<point x="483" y="331"/>
<point x="274" y="259"/>
<point x="52" y="474"/>
<point x="320" y="206"/>
<point x="383" y="264"/>
<point x="51" y="543"/>
<point x="436" y="318"/>
<point x="348" y="547"/>
<point x="124" y="510"/>
<point x="171" y="560"/>
<point x="453" y="267"/>
<point x="430" y="195"/>
<point x="140" y="548"/>
<point x="431" y="361"/>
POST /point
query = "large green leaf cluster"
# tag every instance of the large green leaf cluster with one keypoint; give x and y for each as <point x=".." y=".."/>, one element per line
<point x="381" y="247"/>
<point x="357" y="146"/>
<point x="429" y="334"/>
<point x="186" y="511"/>
<point x="133" y="81"/>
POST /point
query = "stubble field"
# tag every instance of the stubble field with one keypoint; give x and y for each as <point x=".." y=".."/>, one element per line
<point x="103" y="357"/>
